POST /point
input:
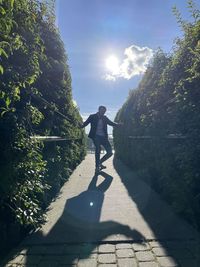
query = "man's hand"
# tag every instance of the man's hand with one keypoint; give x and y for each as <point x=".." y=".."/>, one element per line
<point x="120" y="124"/>
<point x="80" y="125"/>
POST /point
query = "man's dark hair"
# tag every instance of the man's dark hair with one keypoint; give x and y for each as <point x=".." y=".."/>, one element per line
<point x="102" y="107"/>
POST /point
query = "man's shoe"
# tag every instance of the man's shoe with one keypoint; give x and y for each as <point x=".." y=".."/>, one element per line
<point x="102" y="167"/>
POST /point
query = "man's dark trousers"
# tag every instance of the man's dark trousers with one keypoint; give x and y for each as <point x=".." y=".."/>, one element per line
<point x="98" y="142"/>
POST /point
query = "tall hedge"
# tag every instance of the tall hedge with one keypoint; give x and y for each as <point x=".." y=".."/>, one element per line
<point x="164" y="114"/>
<point x="35" y="99"/>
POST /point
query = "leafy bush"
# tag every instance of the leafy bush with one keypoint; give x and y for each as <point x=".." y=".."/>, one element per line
<point x="35" y="99"/>
<point x="167" y="103"/>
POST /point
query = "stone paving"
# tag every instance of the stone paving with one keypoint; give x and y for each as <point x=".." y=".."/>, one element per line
<point x="129" y="254"/>
<point x="110" y="220"/>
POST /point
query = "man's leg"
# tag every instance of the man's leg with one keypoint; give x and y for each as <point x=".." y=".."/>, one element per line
<point x="97" y="144"/>
<point x="106" y="144"/>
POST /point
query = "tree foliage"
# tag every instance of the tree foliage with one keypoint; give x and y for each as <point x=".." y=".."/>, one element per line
<point x="167" y="103"/>
<point x="35" y="99"/>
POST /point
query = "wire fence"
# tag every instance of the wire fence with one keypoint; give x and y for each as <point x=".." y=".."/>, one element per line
<point x="53" y="106"/>
<point x="170" y="136"/>
<point x="53" y="138"/>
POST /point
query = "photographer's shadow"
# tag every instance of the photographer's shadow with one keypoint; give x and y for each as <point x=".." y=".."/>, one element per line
<point x="80" y="222"/>
<point x="81" y="217"/>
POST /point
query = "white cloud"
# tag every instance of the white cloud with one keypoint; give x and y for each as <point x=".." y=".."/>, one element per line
<point x="110" y="77"/>
<point x="135" y="63"/>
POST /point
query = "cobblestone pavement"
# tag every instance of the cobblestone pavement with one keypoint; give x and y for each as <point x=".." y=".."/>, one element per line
<point x="129" y="254"/>
<point x="111" y="220"/>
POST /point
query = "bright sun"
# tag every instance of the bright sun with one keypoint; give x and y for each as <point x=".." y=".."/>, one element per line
<point x="112" y="64"/>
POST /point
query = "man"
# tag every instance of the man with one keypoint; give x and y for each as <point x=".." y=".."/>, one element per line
<point x="99" y="134"/>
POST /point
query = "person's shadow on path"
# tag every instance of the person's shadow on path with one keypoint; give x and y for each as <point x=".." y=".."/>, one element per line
<point x="87" y="205"/>
<point x="80" y="223"/>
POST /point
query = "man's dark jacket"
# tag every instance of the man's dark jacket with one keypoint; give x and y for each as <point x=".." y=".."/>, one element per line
<point x="93" y="119"/>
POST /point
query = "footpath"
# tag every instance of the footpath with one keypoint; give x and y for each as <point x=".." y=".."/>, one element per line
<point x="111" y="220"/>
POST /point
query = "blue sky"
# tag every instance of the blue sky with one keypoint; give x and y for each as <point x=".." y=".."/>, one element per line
<point x="130" y="30"/>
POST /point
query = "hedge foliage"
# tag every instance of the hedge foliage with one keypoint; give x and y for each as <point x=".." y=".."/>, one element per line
<point x="35" y="99"/>
<point x="167" y="104"/>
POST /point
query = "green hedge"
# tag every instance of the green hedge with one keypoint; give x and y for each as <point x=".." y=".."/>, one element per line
<point x="35" y="99"/>
<point x="167" y="101"/>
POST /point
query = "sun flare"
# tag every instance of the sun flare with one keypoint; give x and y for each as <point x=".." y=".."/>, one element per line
<point x="112" y="64"/>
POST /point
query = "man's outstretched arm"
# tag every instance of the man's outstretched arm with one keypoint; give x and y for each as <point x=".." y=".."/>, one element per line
<point x="111" y="123"/>
<point x="86" y="122"/>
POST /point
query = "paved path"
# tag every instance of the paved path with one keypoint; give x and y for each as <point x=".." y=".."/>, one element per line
<point x="113" y="219"/>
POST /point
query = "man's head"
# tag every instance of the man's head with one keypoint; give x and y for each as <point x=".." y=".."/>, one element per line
<point x="102" y="110"/>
